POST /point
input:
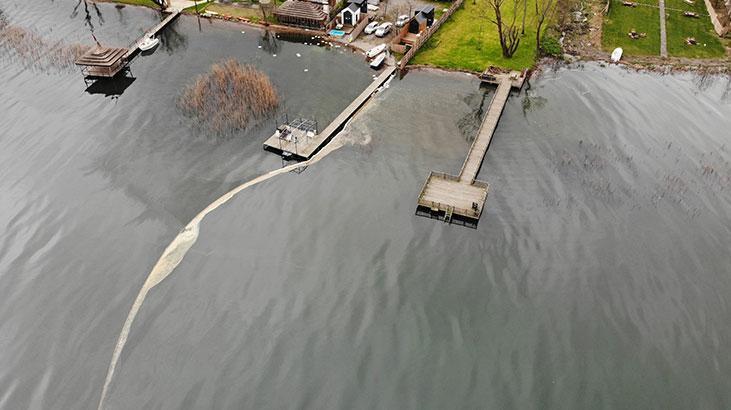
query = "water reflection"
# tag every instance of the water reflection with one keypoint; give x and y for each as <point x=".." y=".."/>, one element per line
<point x="268" y="42"/>
<point x="111" y="87"/>
<point x="171" y="39"/>
<point x="88" y="20"/>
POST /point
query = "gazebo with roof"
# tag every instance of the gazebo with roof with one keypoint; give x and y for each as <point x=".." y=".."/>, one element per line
<point x="301" y="14"/>
<point x="102" y="62"/>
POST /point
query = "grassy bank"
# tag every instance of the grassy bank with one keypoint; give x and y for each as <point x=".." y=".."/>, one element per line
<point x="469" y="41"/>
<point x="146" y="3"/>
<point x="645" y="18"/>
<point x="621" y="19"/>
<point x="680" y="27"/>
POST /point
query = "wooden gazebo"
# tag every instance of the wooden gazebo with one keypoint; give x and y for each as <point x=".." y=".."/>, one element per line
<point x="301" y="14"/>
<point x="102" y="62"/>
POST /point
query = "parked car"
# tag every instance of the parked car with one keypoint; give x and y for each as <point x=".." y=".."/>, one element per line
<point x="383" y="29"/>
<point x="402" y="20"/>
<point x="371" y="28"/>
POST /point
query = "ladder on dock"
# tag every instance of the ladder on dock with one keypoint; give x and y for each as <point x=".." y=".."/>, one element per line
<point x="448" y="214"/>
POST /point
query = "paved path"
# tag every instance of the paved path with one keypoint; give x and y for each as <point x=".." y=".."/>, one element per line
<point x="663" y="32"/>
<point x="180" y="4"/>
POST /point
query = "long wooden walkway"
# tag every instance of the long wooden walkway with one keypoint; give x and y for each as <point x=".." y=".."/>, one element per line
<point x="445" y="196"/>
<point x="472" y="163"/>
<point x="304" y="148"/>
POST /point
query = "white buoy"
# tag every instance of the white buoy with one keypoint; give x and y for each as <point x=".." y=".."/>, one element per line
<point x="299" y="55"/>
<point x="274" y="55"/>
<point x="306" y="70"/>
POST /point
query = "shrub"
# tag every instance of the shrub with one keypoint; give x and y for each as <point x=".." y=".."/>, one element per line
<point x="231" y="96"/>
<point x="550" y="46"/>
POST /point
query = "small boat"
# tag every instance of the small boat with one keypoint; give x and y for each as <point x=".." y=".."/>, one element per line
<point x="616" y="55"/>
<point x="376" y="50"/>
<point x="148" y="43"/>
<point x="378" y="60"/>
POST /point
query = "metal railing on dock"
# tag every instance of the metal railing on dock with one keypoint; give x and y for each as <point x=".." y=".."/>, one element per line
<point x="304" y="149"/>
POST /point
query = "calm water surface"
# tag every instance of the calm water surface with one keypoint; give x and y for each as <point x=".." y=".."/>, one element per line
<point x="599" y="276"/>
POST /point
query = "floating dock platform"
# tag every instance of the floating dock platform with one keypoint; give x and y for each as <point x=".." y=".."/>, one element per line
<point x="303" y="147"/>
<point x="445" y="196"/>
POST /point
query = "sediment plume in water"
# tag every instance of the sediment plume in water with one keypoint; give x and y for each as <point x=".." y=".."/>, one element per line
<point x="229" y="97"/>
<point x="35" y="51"/>
<point x="175" y="252"/>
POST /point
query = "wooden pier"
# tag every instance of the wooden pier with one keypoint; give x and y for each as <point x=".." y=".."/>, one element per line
<point x="106" y="62"/>
<point x="445" y="196"/>
<point x="289" y="145"/>
<point x="134" y="47"/>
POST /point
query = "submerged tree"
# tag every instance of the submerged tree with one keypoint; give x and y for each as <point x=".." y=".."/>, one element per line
<point x="231" y="96"/>
<point x="507" y="30"/>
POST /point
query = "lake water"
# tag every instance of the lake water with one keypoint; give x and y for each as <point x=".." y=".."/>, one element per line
<point x="598" y="277"/>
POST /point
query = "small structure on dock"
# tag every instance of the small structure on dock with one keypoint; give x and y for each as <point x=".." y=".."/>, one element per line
<point x="296" y="145"/>
<point x="493" y="75"/>
<point x="295" y="136"/>
<point x="445" y="196"/>
<point x="106" y="62"/>
<point x="102" y="62"/>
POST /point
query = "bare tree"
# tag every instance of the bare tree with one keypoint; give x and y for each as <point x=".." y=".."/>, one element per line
<point x="266" y="7"/>
<point x="543" y="10"/>
<point x="507" y="31"/>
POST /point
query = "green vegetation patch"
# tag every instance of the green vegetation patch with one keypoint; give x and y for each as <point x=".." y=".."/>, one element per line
<point x="681" y="27"/>
<point x="146" y="3"/>
<point x="645" y="18"/>
<point x="622" y="19"/>
<point x="469" y="41"/>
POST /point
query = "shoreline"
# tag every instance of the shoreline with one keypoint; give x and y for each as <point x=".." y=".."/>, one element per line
<point x="655" y="64"/>
<point x="277" y="28"/>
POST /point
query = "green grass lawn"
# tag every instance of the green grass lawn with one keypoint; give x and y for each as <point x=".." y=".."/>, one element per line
<point x="469" y="41"/>
<point x="621" y="20"/>
<point x="680" y="27"/>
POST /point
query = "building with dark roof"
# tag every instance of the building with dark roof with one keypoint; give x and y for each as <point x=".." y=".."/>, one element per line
<point x="301" y="13"/>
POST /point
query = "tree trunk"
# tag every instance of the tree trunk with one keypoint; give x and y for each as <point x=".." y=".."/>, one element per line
<point x="525" y="11"/>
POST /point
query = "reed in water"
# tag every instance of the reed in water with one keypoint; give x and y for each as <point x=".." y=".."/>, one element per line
<point x="230" y="96"/>
<point x="35" y="51"/>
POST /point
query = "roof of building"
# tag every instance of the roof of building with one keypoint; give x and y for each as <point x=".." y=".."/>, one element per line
<point x="301" y="9"/>
<point x="426" y="9"/>
<point x="420" y="18"/>
<point x="359" y="2"/>
<point x="101" y="56"/>
<point x="352" y="7"/>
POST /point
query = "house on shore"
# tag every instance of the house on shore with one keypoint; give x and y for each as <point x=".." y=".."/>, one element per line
<point x="353" y="13"/>
<point x="302" y="13"/>
<point x="423" y="19"/>
<point x="409" y="34"/>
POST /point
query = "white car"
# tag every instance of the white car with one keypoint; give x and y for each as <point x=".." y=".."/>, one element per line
<point x="402" y="20"/>
<point x="370" y="28"/>
<point x="383" y="29"/>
